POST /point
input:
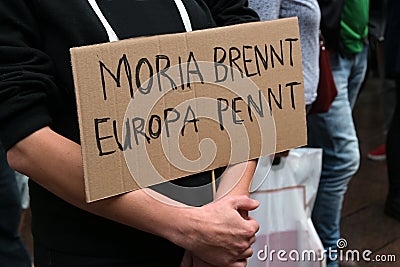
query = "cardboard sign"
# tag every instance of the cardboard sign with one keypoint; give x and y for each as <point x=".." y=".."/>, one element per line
<point x="159" y="108"/>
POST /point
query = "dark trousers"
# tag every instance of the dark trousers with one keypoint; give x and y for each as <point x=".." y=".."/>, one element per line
<point x="393" y="149"/>
<point x="45" y="257"/>
<point x="12" y="250"/>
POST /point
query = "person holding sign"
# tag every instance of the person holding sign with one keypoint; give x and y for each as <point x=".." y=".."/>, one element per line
<point x="344" y="25"/>
<point x="39" y="129"/>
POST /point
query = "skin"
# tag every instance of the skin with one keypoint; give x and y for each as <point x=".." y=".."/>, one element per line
<point x="219" y="233"/>
<point x="229" y="186"/>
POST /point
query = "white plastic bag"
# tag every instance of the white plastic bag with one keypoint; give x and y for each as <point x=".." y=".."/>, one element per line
<point x="287" y="236"/>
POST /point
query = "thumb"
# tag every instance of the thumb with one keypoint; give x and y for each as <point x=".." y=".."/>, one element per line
<point x="245" y="203"/>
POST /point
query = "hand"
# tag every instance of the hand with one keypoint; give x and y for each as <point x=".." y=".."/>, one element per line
<point x="187" y="260"/>
<point x="219" y="235"/>
<point x="215" y="233"/>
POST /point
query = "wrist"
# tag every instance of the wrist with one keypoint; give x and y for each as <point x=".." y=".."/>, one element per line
<point x="183" y="228"/>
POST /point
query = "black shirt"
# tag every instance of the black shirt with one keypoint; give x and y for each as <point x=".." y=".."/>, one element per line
<point x="36" y="90"/>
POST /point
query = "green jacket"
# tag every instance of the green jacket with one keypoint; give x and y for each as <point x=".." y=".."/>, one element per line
<point x="354" y="25"/>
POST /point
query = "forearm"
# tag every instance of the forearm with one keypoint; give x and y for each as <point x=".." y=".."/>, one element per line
<point x="215" y="232"/>
<point x="56" y="163"/>
<point x="236" y="179"/>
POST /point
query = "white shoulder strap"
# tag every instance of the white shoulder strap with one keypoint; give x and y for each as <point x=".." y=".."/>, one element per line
<point x="112" y="36"/>
<point x="184" y="15"/>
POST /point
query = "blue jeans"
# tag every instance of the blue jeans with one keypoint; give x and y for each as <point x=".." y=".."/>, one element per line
<point x="334" y="131"/>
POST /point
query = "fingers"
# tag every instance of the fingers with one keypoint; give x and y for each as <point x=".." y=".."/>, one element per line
<point x="228" y="237"/>
<point x="242" y="202"/>
<point x="247" y="253"/>
<point x="252" y="240"/>
<point x="187" y="260"/>
<point x="243" y="261"/>
<point x="254" y="224"/>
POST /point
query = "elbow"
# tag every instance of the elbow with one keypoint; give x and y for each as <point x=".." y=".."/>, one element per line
<point x="16" y="159"/>
<point x="20" y="156"/>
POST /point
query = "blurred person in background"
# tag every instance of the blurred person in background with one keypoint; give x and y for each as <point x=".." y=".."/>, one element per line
<point x="308" y="14"/>
<point x="344" y="26"/>
<point x="377" y="24"/>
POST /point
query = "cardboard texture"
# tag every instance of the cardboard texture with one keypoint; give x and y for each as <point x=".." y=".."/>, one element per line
<point x="145" y="119"/>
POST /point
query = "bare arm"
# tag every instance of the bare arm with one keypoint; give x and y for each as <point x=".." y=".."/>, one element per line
<point x="237" y="178"/>
<point x="56" y="163"/>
